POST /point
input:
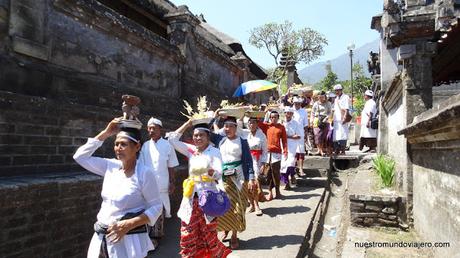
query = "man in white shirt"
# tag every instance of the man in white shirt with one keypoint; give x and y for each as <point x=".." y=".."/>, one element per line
<point x="158" y="154"/>
<point x="341" y="108"/>
<point x="368" y="135"/>
<point x="301" y="117"/>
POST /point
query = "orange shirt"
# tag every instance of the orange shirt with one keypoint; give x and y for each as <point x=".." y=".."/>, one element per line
<point x="276" y="134"/>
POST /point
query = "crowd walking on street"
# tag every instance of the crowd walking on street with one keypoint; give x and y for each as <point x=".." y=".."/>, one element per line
<point x="232" y="159"/>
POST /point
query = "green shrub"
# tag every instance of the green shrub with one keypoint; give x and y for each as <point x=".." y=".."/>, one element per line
<point x="385" y="167"/>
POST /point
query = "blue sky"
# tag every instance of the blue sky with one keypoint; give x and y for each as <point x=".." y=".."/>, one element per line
<point x="340" y="21"/>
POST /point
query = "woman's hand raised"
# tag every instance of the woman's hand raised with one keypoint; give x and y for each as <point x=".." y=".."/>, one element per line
<point x="112" y="128"/>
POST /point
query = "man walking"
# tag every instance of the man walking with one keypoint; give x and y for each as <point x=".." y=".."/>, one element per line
<point x="158" y="154"/>
<point x="277" y="149"/>
<point x="368" y="135"/>
<point x="341" y="109"/>
<point x="293" y="132"/>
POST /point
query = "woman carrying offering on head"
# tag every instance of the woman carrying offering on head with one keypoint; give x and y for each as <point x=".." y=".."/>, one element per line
<point x="198" y="229"/>
<point x="130" y="196"/>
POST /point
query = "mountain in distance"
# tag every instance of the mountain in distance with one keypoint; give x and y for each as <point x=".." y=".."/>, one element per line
<point x="340" y="65"/>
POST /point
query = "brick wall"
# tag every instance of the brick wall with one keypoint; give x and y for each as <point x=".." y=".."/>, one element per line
<point x="39" y="135"/>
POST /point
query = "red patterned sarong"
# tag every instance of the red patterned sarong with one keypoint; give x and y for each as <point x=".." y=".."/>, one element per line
<point x="198" y="239"/>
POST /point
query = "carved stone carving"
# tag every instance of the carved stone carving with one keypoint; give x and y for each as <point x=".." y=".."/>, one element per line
<point x="373" y="63"/>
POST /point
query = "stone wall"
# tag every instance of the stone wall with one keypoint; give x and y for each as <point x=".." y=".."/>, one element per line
<point x="434" y="139"/>
<point x="371" y="205"/>
<point x="370" y="210"/>
<point x="48" y="216"/>
<point x="64" y="67"/>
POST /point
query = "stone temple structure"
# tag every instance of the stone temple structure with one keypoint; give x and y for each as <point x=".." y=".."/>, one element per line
<point x="420" y="112"/>
<point x="64" y="65"/>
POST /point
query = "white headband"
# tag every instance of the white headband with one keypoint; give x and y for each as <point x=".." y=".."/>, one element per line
<point x="126" y="135"/>
<point x="202" y="129"/>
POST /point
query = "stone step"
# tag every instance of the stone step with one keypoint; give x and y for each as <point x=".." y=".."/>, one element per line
<point x="316" y="162"/>
<point x="315" y="173"/>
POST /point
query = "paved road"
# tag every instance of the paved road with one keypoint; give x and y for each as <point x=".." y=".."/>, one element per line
<point x="278" y="233"/>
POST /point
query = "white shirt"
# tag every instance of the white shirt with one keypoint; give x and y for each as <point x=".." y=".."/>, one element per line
<point x="215" y="162"/>
<point x="340" y="130"/>
<point x="301" y="117"/>
<point x="293" y="145"/>
<point x="293" y="128"/>
<point x="258" y="141"/>
<point x="160" y="156"/>
<point x="121" y="195"/>
<point x="342" y="102"/>
<point x="231" y="151"/>
<point x="369" y="107"/>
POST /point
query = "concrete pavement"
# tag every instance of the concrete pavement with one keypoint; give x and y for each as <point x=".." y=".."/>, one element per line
<point x="278" y="233"/>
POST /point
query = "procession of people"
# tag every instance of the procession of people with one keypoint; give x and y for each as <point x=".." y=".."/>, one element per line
<point x="232" y="159"/>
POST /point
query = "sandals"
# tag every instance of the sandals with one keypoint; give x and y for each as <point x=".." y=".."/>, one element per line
<point x="234" y="244"/>
<point x="259" y="212"/>
<point x="251" y="210"/>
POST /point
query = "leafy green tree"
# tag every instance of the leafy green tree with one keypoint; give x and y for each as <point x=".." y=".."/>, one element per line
<point x="297" y="46"/>
<point x="301" y="46"/>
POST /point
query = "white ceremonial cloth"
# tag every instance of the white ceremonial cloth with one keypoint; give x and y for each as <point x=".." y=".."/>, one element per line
<point x="340" y="130"/>
<point x="369" y="107"/>
<point x="160" y="156"/>
<point x="214" y="158"/>
<point x="121" y="195"/>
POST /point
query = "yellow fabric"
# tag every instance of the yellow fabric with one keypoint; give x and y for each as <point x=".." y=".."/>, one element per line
<point x="189" y="184"/>
<point x="315" y="122"/>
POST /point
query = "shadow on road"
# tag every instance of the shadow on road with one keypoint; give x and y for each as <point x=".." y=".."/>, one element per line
<point x="299" y="196"/>
<point x="269" y="242"/>
<point x="275" y="211"/>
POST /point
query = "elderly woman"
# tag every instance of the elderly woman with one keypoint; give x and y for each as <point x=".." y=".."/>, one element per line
<point x="237" y="170"/>
<point x="130" y="197"/>
<point x="198" y="230"/>
<point x="321" y="112"/>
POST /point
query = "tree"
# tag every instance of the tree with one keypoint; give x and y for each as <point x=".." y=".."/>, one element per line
<point x="328" y="82"/>
<point x="361" y="83"/>
<point x="301" y="46"/>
